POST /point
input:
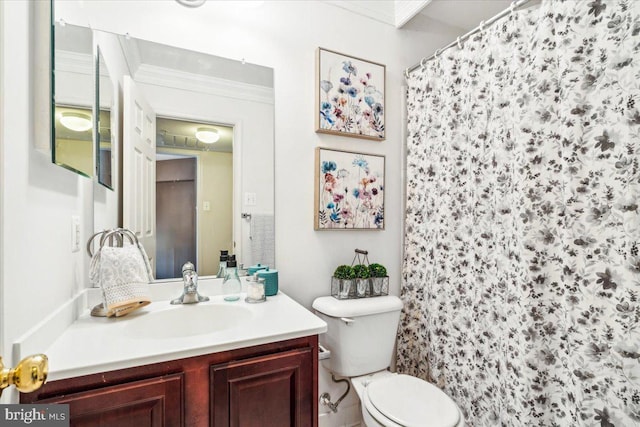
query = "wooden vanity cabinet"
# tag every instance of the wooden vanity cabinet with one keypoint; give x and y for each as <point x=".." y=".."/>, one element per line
<point x="268" y="390"/>
<point x="270" y="385"/>
<point x="152" y="402"/>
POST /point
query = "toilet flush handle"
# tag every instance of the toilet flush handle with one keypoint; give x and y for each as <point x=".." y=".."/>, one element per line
<point x="347" y="320"/>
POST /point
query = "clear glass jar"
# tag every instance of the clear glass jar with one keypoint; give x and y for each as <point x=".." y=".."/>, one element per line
<point x="255" y="289"/>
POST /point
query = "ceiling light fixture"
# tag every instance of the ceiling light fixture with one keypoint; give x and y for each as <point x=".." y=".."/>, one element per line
<point x="77" y="122"/>
<point x="191" y="3"/>
<point x="207" y="135"/>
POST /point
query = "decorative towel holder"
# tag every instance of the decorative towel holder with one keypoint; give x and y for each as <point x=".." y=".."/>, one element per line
<point x="121" y="269"/>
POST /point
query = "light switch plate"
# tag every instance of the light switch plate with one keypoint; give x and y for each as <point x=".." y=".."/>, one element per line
<point x="249" y="199"/>
<point x="206" y="206"/>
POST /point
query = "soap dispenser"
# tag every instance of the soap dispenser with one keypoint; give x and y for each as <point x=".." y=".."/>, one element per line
<point x="231" y="286"/>
<point x="224" y="256"/>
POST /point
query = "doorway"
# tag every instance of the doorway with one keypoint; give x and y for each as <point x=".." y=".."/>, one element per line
<point x="176" y="204"/>
<point x="214" y="187"/>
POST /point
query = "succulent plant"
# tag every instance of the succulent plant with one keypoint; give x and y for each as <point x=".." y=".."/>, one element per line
<point x="344" y="272"/>
<point x="361" y="271"/>
<point x="377" y="270"/>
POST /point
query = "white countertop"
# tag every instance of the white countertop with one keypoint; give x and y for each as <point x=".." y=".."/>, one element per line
<point x="93" y="344"/>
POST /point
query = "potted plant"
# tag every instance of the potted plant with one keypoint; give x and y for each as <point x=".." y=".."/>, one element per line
<point x="363" y="284"/>
<point x="379" y="280"/>
<point x="342" y="282"/>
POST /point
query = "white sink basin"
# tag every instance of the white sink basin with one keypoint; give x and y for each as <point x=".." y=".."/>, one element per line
<point x="186" y="320"/>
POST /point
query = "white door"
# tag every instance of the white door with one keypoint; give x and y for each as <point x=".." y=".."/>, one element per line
<point x="139" y="168"/>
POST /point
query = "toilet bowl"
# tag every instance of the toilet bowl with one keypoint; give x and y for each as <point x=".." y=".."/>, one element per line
<point x="398" y="400"/>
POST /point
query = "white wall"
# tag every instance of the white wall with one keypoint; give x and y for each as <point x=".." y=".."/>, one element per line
<point x="39" y="271"/>
<point x="284" y="35"/>
<point x="3" y="37"/>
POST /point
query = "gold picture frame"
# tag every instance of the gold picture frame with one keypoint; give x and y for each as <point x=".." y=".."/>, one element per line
<point x="350" y="94"/>
<point x="349" y="190"/>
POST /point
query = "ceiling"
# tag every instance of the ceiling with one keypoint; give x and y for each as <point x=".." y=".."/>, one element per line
<point x="464" y="14"/>
<point x="455" y="17"/>
<point x="461" y="14"/>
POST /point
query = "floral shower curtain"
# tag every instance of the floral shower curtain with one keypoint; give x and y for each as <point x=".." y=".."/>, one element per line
<point x="521" y="277"/>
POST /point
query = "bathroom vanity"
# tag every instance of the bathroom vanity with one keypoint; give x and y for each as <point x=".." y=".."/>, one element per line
<point x="272" y="384"/>
<point x="255" y="364"/>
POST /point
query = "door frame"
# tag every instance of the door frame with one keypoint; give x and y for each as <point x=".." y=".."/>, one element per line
<point x="236" y="124"/>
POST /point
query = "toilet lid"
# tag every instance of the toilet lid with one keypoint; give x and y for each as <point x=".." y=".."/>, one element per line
<point x="412" y="402"/>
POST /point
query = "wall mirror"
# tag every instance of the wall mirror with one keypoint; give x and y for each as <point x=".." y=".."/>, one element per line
<point x="187" y="90"/>
<point x="231" y="175"/>
<point x="72" y="98"/>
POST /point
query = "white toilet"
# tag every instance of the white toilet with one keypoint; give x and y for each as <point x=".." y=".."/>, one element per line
<point x="361" y="335"/>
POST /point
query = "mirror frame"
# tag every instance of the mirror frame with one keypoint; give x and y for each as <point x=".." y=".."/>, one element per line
<point x="97" y="123"/>
<point x="96" y="108"/>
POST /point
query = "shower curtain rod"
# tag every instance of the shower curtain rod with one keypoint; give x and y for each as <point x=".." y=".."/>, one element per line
<point x="514" y="5"/>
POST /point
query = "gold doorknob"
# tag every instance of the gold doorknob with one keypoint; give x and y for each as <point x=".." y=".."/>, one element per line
<point x="28" y="376"/>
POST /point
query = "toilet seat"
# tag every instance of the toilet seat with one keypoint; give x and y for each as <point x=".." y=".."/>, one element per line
<point x="403" y="400"/>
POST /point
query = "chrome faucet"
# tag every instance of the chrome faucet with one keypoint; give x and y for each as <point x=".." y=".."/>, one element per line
<point x="190" y="293"/>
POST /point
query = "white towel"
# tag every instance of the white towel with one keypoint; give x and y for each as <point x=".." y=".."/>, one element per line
<point x="123" y="274"/>
<point x="262" y="238"/>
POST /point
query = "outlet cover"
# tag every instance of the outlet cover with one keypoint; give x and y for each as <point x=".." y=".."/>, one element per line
<point x="75" y="233"/>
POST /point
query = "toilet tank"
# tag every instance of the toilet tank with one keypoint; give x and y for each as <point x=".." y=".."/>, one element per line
<point x="361" y="333"/>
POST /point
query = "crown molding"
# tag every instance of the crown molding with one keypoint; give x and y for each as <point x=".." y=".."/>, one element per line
<point x="73" y="62"/>
<point x="407" y="9"/>
<point x="159" y="76"/>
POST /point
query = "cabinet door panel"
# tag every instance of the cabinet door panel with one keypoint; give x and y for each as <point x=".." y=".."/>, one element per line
<point x="267" y="391"/>
<point x="154" y="402"/>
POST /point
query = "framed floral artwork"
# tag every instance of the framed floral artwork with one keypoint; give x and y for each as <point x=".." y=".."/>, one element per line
<point x="349" y="96"/>
<point x="349" y="190"/>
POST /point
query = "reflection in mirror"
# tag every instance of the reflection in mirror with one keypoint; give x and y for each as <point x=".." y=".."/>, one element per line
<point x="104" y="103"/>
<point x="234" y="206"/>
<point x="72" y="98"/>
<point x="192" y="169"/>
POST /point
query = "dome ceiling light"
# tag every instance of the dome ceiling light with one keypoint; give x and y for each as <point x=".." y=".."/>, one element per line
<point x="77" y="122"/>
<point x="207" y="135"/>
<point x="191" y="3"/>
